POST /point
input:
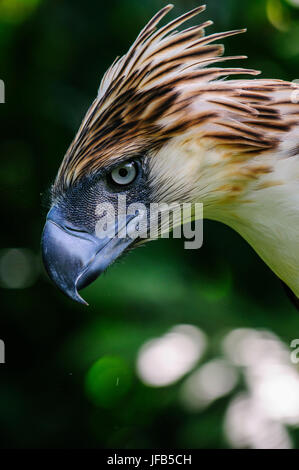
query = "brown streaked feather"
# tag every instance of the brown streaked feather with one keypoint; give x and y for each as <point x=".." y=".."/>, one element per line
<point x="168" y="84"/>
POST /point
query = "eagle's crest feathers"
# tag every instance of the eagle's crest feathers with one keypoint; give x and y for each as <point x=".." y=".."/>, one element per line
<point x="168" y="84"/>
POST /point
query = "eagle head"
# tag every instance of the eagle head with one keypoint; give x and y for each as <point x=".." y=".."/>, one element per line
<point x="165" y="127"/>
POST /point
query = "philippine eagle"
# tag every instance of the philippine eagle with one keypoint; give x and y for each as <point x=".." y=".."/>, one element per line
<point x="167" y="126"/>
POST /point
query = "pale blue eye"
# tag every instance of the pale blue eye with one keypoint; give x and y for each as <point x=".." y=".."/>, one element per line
<point x="124" y="173"/>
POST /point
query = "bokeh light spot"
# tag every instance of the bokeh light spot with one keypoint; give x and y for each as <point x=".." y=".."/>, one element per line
<point x="246" y="426"/>
<point x="15" y="11"/>
<point x="210" y="382"/>
<point x="162" y="361"/>
<point x="294" y="3"/>
<point x="107" y="381"/>
<point x="18" y="268"/>
<point x="278" y="15"/>
<point x="259" y="419"/>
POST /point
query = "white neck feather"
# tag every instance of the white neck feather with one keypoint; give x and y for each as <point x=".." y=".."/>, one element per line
<point x="269" y="221"/>
<point x="265" y="213"/>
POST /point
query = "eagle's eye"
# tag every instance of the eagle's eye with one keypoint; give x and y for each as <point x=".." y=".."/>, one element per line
<point x="125" y="173"/>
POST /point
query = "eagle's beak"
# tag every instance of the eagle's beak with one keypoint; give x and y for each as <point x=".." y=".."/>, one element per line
<point x="74" y="258"/>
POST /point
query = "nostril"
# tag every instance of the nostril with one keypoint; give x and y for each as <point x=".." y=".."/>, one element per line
<point x="72" y="228"/>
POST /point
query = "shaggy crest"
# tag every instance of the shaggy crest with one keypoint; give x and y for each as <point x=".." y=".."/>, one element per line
<point x="169" y="84"/>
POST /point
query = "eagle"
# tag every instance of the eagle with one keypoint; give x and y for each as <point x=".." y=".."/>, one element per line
<point x="171" y="125"/>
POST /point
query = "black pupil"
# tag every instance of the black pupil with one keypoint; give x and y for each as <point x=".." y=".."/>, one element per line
<point x="123" y="172"/>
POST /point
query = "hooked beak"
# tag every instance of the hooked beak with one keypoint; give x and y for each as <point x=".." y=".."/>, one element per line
<point x="74" y="258"/>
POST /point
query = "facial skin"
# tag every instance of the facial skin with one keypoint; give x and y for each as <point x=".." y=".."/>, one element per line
<point x="73" y="252"/>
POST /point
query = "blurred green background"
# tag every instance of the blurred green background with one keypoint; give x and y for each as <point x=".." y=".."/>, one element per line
<point x="179" y="348"/>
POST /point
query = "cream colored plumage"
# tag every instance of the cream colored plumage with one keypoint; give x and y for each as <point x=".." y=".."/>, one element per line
<point x="231" y="144"/>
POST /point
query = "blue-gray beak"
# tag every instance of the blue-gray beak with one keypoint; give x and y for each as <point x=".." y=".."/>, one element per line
<point x="73" y="257"/>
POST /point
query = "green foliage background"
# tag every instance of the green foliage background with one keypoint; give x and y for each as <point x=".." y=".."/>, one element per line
<point x="52" y="56"/>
